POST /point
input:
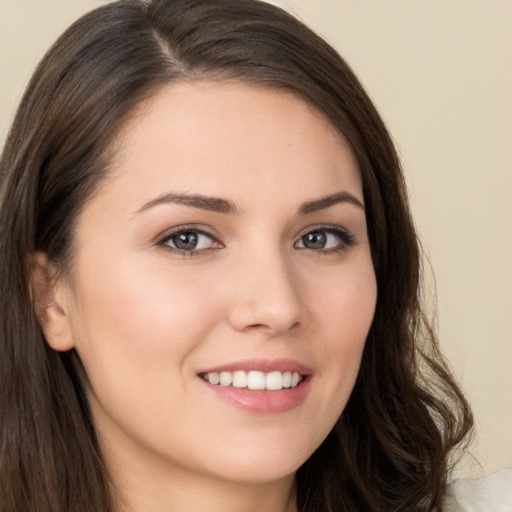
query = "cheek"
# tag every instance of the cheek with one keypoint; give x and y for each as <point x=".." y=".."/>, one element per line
<point x="136" y="337"/>
<point x="141" y="320"/>
<point x="344" y="313"/>
<point x="346" y="305"/>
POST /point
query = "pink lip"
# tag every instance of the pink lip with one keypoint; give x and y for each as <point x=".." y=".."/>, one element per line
<point x="262" y="402"/>
<point x="262" y="365"/>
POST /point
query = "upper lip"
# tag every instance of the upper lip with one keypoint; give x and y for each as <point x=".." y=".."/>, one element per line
<point x="262" y="365"/>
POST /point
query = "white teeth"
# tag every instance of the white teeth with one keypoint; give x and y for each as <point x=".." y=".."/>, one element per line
<point x="256" y="380"/>
<point x="239" y="380"/>
<point x="214" y="378"/>
<point x="226" y="378"/>
<point x="272" y="381"/>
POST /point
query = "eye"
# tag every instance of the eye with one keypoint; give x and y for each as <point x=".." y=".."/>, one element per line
<point x="326" y="239"/>
<point x="189" y="240"/>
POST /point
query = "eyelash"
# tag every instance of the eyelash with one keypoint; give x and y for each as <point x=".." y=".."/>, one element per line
<point x="346" y="239"/>
<point x="185" y="229"/>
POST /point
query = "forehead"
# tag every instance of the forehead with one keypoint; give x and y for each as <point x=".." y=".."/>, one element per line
<point x="209" y="136"/>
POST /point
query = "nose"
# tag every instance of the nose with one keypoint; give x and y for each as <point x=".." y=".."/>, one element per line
<point x="265" y="296"/>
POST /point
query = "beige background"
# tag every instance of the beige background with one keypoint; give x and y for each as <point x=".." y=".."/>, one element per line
<point x="440" y="73"/>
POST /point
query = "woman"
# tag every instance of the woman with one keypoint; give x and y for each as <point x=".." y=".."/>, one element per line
<point x="211" y="282"/>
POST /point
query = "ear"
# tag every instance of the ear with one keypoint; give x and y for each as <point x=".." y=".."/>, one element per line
<point x="50" y="303"/>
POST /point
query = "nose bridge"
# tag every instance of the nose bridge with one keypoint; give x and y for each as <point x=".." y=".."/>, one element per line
<point x="266" y="295"/>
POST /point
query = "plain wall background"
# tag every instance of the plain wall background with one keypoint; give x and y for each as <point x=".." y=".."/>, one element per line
<point x="440" y="74"/>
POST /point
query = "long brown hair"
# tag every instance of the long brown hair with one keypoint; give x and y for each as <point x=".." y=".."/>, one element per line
<point x="390" y="448"/>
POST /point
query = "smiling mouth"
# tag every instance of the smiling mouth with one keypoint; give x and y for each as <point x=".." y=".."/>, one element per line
<point x="254" y="380"/>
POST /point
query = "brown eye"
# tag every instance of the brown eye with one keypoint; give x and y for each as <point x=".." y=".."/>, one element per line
<point x="188" y="240"/>
<point x="326" y="239"/>
<point x="314" y="240"/>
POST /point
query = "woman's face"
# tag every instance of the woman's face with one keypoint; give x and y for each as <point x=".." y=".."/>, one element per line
<point x="230" y="242"/>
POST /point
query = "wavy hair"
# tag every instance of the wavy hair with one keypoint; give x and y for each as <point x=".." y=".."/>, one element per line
<point x="390" y="449"/>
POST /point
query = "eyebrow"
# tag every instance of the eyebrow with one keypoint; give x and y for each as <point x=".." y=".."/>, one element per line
<point x="218" y="205"/>
<point x="328" y="201"/>
<point x="213" y="204"/>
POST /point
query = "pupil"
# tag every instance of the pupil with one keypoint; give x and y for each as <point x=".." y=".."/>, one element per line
<point x="186" y="240"/>
<point x="314" y="240"/>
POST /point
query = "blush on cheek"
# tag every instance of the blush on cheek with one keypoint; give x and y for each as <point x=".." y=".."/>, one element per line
<point x="159" y="316"/>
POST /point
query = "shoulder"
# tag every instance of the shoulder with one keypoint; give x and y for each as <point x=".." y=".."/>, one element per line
<point x="491" y="493"/>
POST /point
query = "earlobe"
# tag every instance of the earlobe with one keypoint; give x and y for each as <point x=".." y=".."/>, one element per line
<point x="49" y="304"/>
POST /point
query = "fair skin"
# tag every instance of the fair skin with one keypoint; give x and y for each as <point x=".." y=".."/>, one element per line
<point x="165" y="289"/>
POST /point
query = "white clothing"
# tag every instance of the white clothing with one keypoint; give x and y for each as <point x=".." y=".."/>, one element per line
<point x="491" y="493"/>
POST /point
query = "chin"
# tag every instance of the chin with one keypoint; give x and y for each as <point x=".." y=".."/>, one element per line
<point x="261" y="461"/>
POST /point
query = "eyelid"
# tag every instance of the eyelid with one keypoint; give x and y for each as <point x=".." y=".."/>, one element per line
<point x="166" y="235"/>
<point x="347" y="239"/>
<point x="331" y="228"/>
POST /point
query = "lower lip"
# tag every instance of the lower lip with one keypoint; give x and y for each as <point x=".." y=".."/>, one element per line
<point x="262" y="402"/>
